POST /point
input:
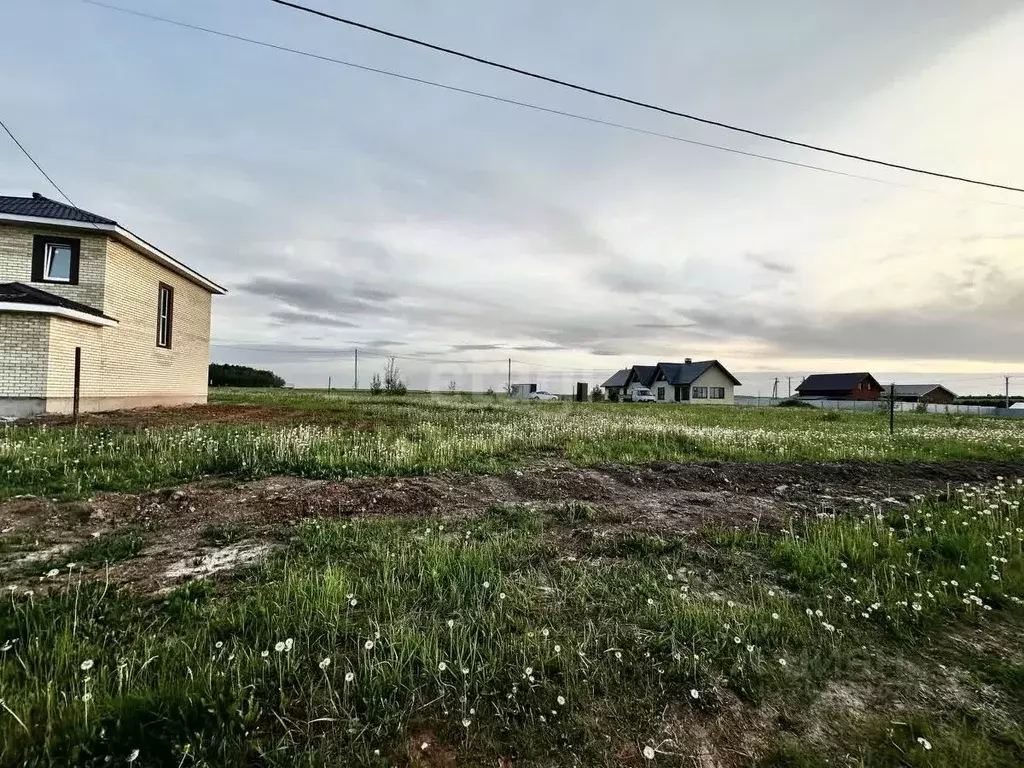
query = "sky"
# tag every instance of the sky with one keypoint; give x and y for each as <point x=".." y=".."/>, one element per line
<point x="344" y="209"/>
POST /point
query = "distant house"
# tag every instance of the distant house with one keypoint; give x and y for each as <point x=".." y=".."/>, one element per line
<point x="921" y="393"/>
<point x="840" y="386"/>
<point x="704" y="381"/>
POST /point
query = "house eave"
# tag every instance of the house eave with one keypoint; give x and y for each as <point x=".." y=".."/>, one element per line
<point x="62" y="312"/>
<point x="125" y="237"/>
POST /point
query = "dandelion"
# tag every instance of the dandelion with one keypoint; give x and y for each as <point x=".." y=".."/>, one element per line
<point x="545" y="632"/>
<point x="750" y="649"/>
<point x="649" y="753"/>
<point x="368" y="645"/>
<point x="618" y="655"/>
<point x="451" y="623"/>
<point x="264" y="654"/>
<point x="325" y="662"/>
<point x="561" y="701"/>
<point x="52" y="572"/>
<point x="279" y="646"/>
<point x="502" y="595"/>
<point x="810" y="612"/>
<point x="771" y="593"/>
<point x="650" y="601"/>
<point x="916" y="606"/>
<point x="466" y="722"/>
<point x="465" y="670"/>
<point x="219" y="644"/>
<point x="133" y="756"/>
<point x="529" y="671"/>
<point x="86" y="665"/>
<point x="288" y="644"/>
<point x="730" y="603"/>
<point x="87" y="697"/>
<point x="775" y="616"/>
<point x="558" y="648"/>
<point x="6" y="646"/>
<point x="350" y="676"/>
<point x="694" y="693"/>
<point x="737" y="640"/>
<point x="353" y="602"/>
<point x="426" y="744"/>
<point x="487" y="585"/>
<point x="782" y="662"/>
<point x="442" y="667"/>
<point x="924" y="743"/>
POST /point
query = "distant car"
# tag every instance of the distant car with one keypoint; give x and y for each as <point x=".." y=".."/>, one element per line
<point x="540" y="394"/>
<point x="641" y="395"/>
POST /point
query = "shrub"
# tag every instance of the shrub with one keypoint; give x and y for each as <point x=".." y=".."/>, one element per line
<point x="597" y="395"/>
<point x="375" y="385"/>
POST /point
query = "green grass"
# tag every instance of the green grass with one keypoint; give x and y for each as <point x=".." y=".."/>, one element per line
<point x="348" y="435"/>
<point x="363" y="640"/>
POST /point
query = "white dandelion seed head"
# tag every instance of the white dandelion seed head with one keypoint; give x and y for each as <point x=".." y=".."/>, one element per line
<point x="649" y="753"/>
<point x="264" y="654"/>
<point x="782" y="662"/>
<point x="558" y="648"/>
<point x="53" y="572"/>
<point x="694" y="693"/>
<point x="529" y="671"/>
<point x="219" y="644"/>
<point x="451" y="623"/>
<point x="368" y="645"/>
<point x="353" y="602"/>
<point x="325" y="662"/>
<point x="426" y="744"/>
<point x="545" y="632"/>
<point x="133" y="756"/>
<point x="442" y="667"/>
<point x="86" y="665"/>
<point x="466" y="722"/>
<point x="561" y="701"/>
<point x="924" y="743"/>
<point x="502" y="595"/>
<point x="350" y="676"/>
<point x="288" y="644"/>
<point x="279" y="646"/>
<point x="750" y="649"/>
<point x="487" y="585"/>
<point x="775" y="616"/>
<point x="730" y="603"/>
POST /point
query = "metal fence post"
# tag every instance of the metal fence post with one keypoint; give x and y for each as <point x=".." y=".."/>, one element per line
<point x="78" y="381"/>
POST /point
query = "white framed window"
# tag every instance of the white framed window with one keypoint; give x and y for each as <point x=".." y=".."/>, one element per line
<point x="57" y="263"/>
<point x="700" y="393"/>
<point x="164" y="315"/>
<point x="717" y="393"/>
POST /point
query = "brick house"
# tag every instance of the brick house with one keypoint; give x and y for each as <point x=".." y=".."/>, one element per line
<point x="840" y="386"/>
<point x="922" y="393"/>
<point x="71" y="280"/>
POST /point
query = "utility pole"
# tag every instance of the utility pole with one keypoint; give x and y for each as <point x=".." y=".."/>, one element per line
<point x="356" y="385"/>
<point x="789" y="386"/>
<point x="892" y="408"/>
<point x="508" y="389"/>
<point x="775" y="389"/>
<point x="328" y="383"/>
<point x="1007" y="378"/>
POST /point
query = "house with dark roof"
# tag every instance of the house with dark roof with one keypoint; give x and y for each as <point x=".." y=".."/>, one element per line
<point x="703" y="381"/>
<point x="921" y="393"/>
<point x="92" y="313"/>
<point x="840" y="386"/>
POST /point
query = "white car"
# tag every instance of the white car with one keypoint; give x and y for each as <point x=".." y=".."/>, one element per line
<point x="641" y="395"/>
<point x="540" y="394"/>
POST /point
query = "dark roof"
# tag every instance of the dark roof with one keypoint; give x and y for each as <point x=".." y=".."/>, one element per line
<point x="645" y="374"/>
<point x="687" y="373"/>
<point x="832" y="382"/>
<point x="19" y="293"/>
<point x="45" y="208"/>
<point x="916" y="390"/>
<point x="618" y="379"/>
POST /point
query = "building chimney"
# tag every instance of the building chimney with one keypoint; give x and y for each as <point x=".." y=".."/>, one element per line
<point x="688" y="360"/>
<point x="36" y="196"/>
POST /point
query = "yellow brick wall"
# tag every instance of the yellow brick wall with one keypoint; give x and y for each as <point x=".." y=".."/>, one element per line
<point x="713" y="377"/>
<point x="130" y="354"/>
<point x="64" y="336"/>
<point x="24" y="344"/>
<point x="16" y="262"/>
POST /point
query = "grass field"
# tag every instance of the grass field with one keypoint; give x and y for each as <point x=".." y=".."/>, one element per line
<point x="672" y="619"/>
<point x="342" y="435"/>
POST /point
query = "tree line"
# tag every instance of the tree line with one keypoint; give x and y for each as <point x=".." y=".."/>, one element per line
<point x="222" y="375"/>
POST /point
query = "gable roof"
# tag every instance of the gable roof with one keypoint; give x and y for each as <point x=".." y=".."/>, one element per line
<point x="41" y="207"/>
<point x="44" y="211"/>
<point x="29" y="296"/>
<point x="916" y="390"/>
<point x="618" y="379"/>
<point x="687" y="373"/>
<point x="833" y="382"/>
<point x="645" y="374"/>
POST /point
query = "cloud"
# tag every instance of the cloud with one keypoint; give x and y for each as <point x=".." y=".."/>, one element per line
<point x="286" y="317"/>
<point x="769" y="264"/>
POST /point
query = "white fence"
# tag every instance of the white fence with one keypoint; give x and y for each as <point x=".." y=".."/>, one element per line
<point x="883" y="405"/>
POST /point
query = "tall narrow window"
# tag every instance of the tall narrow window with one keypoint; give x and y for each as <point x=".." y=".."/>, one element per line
<point x="164" y="315"/>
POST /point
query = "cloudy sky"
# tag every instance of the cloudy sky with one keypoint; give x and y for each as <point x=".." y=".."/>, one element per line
<point x="347" y="209"/>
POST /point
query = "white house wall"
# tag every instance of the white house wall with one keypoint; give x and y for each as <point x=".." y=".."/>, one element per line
<point x="714" y="377"/>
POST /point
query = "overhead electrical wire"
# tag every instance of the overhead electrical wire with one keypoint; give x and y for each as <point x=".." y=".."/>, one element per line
<point x="36" y="164"/>
<point x="518" y="103"/>
<point x="637" y="102"/>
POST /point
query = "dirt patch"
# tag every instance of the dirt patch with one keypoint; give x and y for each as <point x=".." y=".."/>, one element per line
<point x="666" y="499"/>
<point x="192" y="415"/>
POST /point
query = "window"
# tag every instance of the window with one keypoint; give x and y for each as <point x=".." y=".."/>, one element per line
<point x="55" y="259"/>
<point x="718" y="393"/>
<point x="699" y="393"/>
<point x="661" y="393"/>
<point x="164" y="315"/>
<point x="58" y="263"/>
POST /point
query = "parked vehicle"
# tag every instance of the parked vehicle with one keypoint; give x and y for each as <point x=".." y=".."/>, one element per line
<point x="540" y="394"/>
<point x="641" y="395"/>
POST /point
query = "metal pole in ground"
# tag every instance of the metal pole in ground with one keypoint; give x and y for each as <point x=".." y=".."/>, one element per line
<point x="78" y="381"/>
<point x="1007" y="378"/>
<point x="509" y="388"/>
<point x="355" y="384"/>
<point x="892" y="408"/>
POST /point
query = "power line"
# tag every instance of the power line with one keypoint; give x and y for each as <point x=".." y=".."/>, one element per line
<point x="636" y="102"/>
<point x="37" y="165"/>
<point x="517" y="103"/>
